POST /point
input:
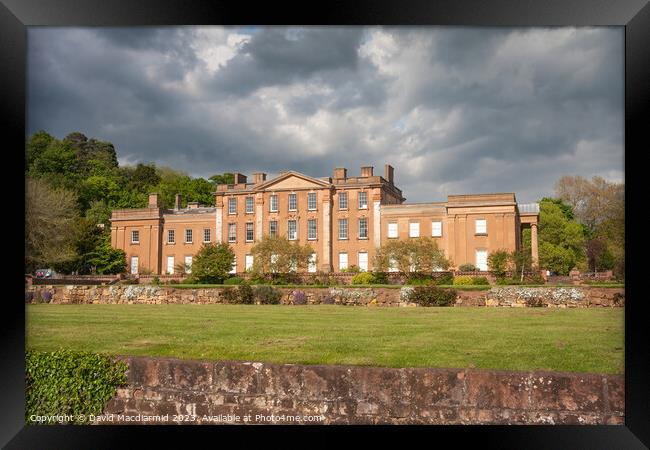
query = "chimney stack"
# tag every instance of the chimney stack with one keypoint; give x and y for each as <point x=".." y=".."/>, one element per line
<point x="366" y="171"/>
<point x="259" y="177"/>
<point x="389" y="173"/>
<point x="340" y="173"/>
<point x="177" y="202"/>
<point x="153" y="200"/>
<point x="240" y="179"/>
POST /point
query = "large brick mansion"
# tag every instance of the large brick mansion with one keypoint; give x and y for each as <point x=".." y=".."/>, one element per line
<point x="344" y="219"/>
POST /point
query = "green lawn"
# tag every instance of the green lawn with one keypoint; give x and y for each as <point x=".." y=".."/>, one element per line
<point x="577" y="340"/>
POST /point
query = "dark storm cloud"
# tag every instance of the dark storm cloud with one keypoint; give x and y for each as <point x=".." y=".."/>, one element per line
<point x="279" y="56"/>
<point x="455" y="110"/>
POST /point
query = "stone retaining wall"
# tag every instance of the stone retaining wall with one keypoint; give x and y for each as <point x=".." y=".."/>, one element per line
<point x="510" y="296"/>
<point x="202" y="392"/>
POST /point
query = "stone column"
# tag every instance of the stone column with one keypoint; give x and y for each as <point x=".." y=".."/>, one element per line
<point x="533" y="244"/>
<point x="326" y="261"/>
<point x="219" y="222"/>
<point x="259" y="211"/>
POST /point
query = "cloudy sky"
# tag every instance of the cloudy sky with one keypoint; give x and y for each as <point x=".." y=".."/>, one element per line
<point x="454" y="110"/>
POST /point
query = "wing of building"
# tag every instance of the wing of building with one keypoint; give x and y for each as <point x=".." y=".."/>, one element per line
<point x="344" y="219"/>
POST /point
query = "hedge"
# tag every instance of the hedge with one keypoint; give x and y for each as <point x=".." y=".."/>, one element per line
<point x="69" y="383"/>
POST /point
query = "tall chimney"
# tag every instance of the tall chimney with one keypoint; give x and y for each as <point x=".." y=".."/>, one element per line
<point x="259" y="177"/>
<point x="153" y="200"/>
<point x="240" y="179"/>
<point x="340" y="172"/>
<point x="366" y="171"/>
<point x="177" y="202"/>
<point x="389" y="173"/>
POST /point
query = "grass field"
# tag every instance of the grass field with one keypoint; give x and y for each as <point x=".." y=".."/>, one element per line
<point x="575" y="340"/>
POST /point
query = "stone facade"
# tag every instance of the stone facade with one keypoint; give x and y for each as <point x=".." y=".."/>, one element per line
<point x="559" y="297"/>
<point x="176" y="391"/>
<point x="344" y="219"/>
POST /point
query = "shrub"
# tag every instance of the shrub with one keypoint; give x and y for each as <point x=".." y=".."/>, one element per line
<point x="155" y="281"/>
<point x="534" y="279"/>
<point x="431" y="296"/>
<point x="446" y="278"/>
<point x="267" y="295"/>
<point x="352" y="269"/>
<point x="380" y="277"/>
<point x="29" y="296"/>
<point x="480" y="281"/>
<point x="328" y="299"/>
<point x="299" y="298"/>
<point x="418" y="278"/>
<point x="233" y="281"/>
<point x="212" y="263"/>
<point x="463" y="280"/>
<point x="534" y="302"/>
<point x="498" y="262"/>
<point x="242" y="294"/>
<point x="468" y="268"/>
<point x="70" y="383"/>
<point x="363" y="278"/>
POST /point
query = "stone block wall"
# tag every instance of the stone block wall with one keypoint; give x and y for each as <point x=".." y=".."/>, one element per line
<point x="172" y="391"/>
<point x="508" y="296"/>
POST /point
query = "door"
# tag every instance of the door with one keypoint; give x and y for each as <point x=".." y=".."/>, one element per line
<point x="312" y="263"/>
<point x="481" y="260"/>
<point x="134" y="264"/>
<point x="170" y="265"/>
<point x="343" y="261"/>
<point x="188" y="264"/>
<point x="249" y="262"/>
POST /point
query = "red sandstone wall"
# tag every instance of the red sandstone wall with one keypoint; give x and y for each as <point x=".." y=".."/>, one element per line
<point x="207" y="392"/>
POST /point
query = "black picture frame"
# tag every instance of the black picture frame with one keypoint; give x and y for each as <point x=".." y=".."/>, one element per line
<point x="634" y="15"/>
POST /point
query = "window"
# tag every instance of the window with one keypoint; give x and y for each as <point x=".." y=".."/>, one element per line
<point x="170" y="265"/>
<point x="392" y="265"/>
<point x="363" y="228"/>
<point x="363" y="200"/>
<point x="311" y="229"/>
<point x="436" y="228"/>
<point x="232" y="205"/>
<point x="481" y="226"/>
<point x="233" y="269"/>
<point x="293" y="202"/>
<point x="343" y="200"/>
<point x="292" y="232"/>
<point x="363" y="261"/>
<point x="188" y="236"/>
<point x="414" y="229"/>
<point x="249" y="232"/>
<point x="188" y="264"/>
<point x="134" y="264"/>
<point x="311" y="201"/>
<point x="392" y="230"/>
<point x="249" y="205"/>
<point x="273" y="228"/>
<point x="171" y="239"/>
<point x="135" y="237"/>
<point x="343" y="261"/>
<point x="343" y="228"/>
<point x="232" y="232"/>
<point x="248" y="262"/>
<point x="481" y="260"/>
<point x="311" y="265"/>
<point x="274" y="261"/>
<point x="273" y="204"/>
<point x="207" y="235"/>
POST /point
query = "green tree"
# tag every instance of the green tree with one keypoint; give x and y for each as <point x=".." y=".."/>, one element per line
<point x="106" y="259"/>
<point x="411" y="256"/>
<point x="561" y="240"/>
<point x="212" y="263"/>
<point x="49" y="218"/>
<point x="36" y="145"/>
<point x="498" y="262"/>
<point x="277" y="254"/>
<point x="224" y="178"/>
<point x="521" y="261"/>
